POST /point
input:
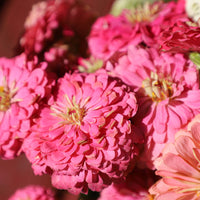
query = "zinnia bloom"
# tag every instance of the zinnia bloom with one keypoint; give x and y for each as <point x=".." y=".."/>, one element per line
<point x="44" y="20"/>
<point x="182" y="37"/>
<point x="110" y="34"/>
<point x="179" y="166"/>
<point x="21" y="91"/>
<point x="141" y="25"/>
<point x="33" y="192"/>
<point x="54" y="24"/>
<point x="167" y="90"/>
<point x="84" y="137"/>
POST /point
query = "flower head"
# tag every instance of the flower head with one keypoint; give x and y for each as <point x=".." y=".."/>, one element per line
<point x="163" y="83"/>
<point x="179" y="166"/>
<point x="182" y="37"/>
<point x="21" y="91"/>
<point x="110" y="34"/>
<point x="56" y="30"/>
<point x="45" y="18"/>
<point x="33" y="192"/>
<point x="84" y="137"/>
<point x="141" y="25"/>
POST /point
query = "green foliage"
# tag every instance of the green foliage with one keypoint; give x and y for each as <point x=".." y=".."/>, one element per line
<point x="119" y="5"/>
<point x="195" y="58"/>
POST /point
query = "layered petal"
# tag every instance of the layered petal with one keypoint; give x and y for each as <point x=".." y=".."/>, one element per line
<point x="85" y="134"/>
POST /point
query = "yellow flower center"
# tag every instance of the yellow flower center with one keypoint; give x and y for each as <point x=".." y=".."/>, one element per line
<point x="158" y="88"/>
<point x="71" y="114"/>
<point x="150" y="197"/>
<point x="5" y="99"/>
<point x="143" y="13"/>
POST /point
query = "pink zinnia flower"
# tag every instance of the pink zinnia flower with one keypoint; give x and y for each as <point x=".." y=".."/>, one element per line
<point x="84" y="137"/>
<point x="167" y="90"/>
<point x="110" y="34"/>
<point x="182" y="37"/>
<point x="135" y="187"/>
<point x="179" y="166"/>
<point x="56" y="23"/>
<point x="45" y="19"/>
<point x="21" y="91"/>
<point x="135" y="26"/>
<point x="33" y="192"/>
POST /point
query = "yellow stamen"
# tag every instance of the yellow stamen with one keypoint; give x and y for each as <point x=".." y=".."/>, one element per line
<point x="143" y="13"/>
<point x="71" y="114"/>
<point x="157" y="87"/>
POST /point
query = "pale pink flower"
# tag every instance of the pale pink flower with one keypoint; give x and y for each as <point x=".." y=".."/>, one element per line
<point x="179" y="166"/>
<point x="141" y="25"/>
<point x="21" y="91"/>
<point x="33" y="192"/>
<point x="135" y="187"/>
<point x="167" y="90"/>
<point x="84" y="137"/>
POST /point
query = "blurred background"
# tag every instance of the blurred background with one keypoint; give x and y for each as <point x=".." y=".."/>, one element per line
<point x="17" y="173"/>
<point x="14" y="12"/>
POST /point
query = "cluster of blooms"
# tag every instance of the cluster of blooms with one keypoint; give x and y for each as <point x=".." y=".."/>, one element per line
<point x="100" y="105"/>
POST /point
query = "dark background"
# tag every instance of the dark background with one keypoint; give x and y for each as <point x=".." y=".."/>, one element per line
<point x="14" y="12"/>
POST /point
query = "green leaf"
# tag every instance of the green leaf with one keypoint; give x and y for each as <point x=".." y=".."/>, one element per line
<point x="120" y="5"/>
<point x="195" y="58"/>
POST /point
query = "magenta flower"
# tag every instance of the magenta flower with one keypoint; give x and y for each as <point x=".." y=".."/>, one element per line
<point x="33" y="192"/>
<point x="84" y="137"/>
<point x="44" y="20"/>
<point x="110" y="34"/>
<point x="143" y="25"/>
<point x="21" y="91"/>
<point x="167" y="90"/>
<point x="181" y="38"/>
<point x="179" y="166"/>
<point x="135" y="187"/>
<point x="57" y="28"/>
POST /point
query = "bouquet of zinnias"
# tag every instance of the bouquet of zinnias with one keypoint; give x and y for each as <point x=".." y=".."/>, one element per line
<point x="110" y="103"/>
